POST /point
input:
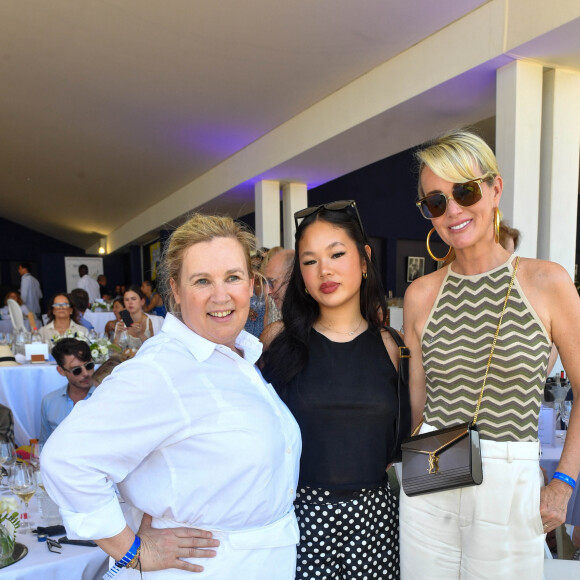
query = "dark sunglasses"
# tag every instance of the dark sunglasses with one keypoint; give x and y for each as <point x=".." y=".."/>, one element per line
<point x="76" y="371"/>
<point x="332" y="206"/>
<point x="465" y="194"/>
<point x="53" y="546"/>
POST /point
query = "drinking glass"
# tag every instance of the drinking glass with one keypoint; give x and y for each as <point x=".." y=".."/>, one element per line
<point x="7" y="457"/>
<point x="565" y="410"/>
<point x="35" y="449"/>
<point x="22" y="483"/>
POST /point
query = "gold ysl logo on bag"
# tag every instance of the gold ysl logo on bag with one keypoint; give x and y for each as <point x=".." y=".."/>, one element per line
<point x="433" y="462"/>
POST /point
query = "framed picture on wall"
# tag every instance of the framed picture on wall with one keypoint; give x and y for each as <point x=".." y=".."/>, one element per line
<point x="415" y="267"/>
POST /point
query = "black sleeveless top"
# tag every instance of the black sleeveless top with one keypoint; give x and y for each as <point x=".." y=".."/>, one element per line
<point x="345" y="401"/>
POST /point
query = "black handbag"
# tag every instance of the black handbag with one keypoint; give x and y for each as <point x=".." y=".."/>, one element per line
<point x="448" y="458"/>
<point x="403" y="421"/>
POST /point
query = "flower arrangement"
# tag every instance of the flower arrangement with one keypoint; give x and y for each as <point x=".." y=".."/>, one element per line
<point x="101" y="348"/>
<point x="100" y="306"/>
<point x="67" y="334"/>
<point x="9" y="524"/>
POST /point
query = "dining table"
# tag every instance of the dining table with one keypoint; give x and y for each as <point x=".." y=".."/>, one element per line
<point x="73" y="562"/>
<point x="22" y="388"/>
<point x="99" y="319"/>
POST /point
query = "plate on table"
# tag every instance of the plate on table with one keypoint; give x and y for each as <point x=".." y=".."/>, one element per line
<point x="20" y="550"/>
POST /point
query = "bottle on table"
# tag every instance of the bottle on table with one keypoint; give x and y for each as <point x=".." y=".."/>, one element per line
<point x="35" y="336"/>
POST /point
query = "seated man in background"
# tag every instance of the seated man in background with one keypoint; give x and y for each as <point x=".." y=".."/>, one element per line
<point x="105" y="292"/>
<point x="277" y="272"/>
<point x="74" y="361"/>
<point x="80" y="301"/>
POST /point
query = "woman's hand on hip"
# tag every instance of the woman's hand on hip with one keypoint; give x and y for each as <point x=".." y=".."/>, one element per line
<point x="554" y="504"/>
<point x="164" y="548"/>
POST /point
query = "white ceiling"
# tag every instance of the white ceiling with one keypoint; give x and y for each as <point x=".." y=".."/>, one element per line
<point x="109" y="106"/>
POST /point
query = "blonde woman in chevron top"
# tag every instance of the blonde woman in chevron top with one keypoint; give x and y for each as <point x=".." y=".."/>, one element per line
<point x="495" y="530"/>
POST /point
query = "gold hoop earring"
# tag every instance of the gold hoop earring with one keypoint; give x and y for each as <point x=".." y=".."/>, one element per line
<point x="306" y="290"/>
<point x="496" y="223"/>
<point x="431" y="253"/>
<point x="365" y="275"/>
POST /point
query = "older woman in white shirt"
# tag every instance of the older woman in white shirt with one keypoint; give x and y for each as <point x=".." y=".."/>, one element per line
<point x="189" y="430"/>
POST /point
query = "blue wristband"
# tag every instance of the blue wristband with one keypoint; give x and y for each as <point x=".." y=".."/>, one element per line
<point x="565" y="478"/>
<point x="131" y="553"/>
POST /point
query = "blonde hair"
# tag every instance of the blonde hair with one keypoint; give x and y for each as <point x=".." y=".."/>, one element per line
<point x="455" y="155"/>
<point x="199" y="228"/>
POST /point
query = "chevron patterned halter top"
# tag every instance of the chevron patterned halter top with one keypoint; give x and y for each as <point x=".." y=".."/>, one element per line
<point x="456" y="342"/>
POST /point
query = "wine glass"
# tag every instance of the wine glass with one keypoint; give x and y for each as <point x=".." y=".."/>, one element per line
<point x="7" y="456"/>
<point x="22" y="483"/>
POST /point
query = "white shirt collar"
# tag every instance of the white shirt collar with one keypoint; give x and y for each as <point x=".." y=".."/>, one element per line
<point x="202" y="349"/>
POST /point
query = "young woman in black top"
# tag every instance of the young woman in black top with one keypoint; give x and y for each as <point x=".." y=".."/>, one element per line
<point x="335" y="368"/>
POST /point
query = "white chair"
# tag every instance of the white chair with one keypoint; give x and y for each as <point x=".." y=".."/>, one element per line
<point x="15" y="315"/>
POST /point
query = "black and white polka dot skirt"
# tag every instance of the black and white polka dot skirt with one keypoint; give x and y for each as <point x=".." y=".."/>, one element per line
<point x="347" y="535"/>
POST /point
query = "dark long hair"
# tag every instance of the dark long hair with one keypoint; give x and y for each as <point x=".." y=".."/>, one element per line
<point x="288" y="353"/>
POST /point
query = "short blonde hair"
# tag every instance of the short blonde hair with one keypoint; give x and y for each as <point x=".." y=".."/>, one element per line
<point x="199" y="228"/>
<point x="455" y="155"/>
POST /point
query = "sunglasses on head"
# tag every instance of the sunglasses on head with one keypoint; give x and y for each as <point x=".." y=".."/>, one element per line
<point x="465" y="194"/>
<point x="332" y="206"/>
<point x="76" y="371"/>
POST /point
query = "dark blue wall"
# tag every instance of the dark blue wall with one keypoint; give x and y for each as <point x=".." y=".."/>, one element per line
<point x="46" y="257"/>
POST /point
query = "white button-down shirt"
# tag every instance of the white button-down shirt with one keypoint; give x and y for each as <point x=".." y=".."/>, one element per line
<point x="91" y="287"/>
<point x="191" y="433"/>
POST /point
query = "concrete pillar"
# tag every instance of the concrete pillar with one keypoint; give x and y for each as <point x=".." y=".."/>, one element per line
<point x="267" y="203"/>
<point x="294" y="198"/>
<point x="559" y="168"/>
<point x="518" y="133"/>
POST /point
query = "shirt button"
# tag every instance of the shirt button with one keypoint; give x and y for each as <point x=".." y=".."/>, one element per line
<point x="291" y="491"/>
<point x="288" y="450"/>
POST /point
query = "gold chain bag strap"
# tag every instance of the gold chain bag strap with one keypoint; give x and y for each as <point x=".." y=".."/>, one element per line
<point x="448" y="458"/>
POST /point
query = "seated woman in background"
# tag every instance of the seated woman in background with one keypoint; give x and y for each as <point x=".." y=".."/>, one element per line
<point x="111" y="324"/>
<point x="61" y="316"/>
<point x="153" y="301"/>
<point x="27" y="315"/>
<point x="141" y="329"/>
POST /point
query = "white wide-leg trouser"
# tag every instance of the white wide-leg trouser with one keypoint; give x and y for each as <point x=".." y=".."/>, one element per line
<point x="493" y="530"/>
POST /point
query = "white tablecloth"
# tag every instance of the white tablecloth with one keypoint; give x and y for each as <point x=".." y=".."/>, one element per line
<point x="561" y="569"/>
<point x="22" y="389"/>
<point x="73" y="563"/>
<point x="99" y="320"/>
<point x="549" y="461"/>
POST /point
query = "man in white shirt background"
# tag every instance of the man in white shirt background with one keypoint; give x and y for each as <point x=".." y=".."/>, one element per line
<point x="90" y="285"/>
<point x="29" y="289"/>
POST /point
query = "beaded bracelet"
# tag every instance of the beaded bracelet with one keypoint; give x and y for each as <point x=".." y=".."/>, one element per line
<point x="132" y="554"/>
<point x="565" y="478"/>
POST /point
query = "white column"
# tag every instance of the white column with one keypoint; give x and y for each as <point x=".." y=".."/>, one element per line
<point x="559" y="168"/>
<point x="518" y="133"/>
<point x="267" y="204"/>
<point x="294" y="198"/>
